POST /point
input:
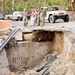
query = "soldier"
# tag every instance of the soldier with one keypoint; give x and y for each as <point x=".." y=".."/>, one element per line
<point x="42" y="17"/>
<point x="25" y="20"/>
<point x="38" y="17"/>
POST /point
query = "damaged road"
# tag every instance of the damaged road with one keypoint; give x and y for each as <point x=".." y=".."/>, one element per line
<point x="46" y="50"/>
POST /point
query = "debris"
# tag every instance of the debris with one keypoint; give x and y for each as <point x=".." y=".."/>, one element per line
<point x="11" y="73"/>
<point x="29" y="72"/>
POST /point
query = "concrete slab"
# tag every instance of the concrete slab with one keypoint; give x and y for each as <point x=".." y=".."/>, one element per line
<point x="27" y="54"/>
<point x="18" y="35"/>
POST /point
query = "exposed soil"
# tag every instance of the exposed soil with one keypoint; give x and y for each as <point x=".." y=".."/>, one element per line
<point x="39" y="36"/>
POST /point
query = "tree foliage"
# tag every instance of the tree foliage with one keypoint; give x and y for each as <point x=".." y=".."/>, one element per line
<point x="61" y="3"/>
<point x="28" y="5"/>
<point x="6" y="5"/>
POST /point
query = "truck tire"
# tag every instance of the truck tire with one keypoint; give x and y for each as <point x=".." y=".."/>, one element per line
<point x="18" y="19"/>
<point x="8" y="18"/>
<point x="52" y="19"/>
<point x="66" y="19"/>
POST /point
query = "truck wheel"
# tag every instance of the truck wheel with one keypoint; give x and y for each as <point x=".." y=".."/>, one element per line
<point x="66" y="19"/>
<point x="19" y="19"/>
<point x="52" y="19"/>
<point x="8" y="18"/>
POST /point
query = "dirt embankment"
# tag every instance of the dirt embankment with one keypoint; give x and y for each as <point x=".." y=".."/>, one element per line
<point x="65" y="63"/>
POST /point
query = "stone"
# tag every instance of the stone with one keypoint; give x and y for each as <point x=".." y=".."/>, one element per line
<point x="4" y="71"/>
<point x="1" y="40"/>
<point x="31" y="72"/>
<point x="4" y="64"/>
<point x="11" y="73"/>
<point x="28" y="37"/>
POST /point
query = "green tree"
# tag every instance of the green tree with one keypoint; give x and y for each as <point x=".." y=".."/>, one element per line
<point x="28" y="5"/>
<point x="61" y="3"/>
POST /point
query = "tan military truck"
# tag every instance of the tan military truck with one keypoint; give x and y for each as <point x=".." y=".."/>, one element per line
<point x="53" y="13"/>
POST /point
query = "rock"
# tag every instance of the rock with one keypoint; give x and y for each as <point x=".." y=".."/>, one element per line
<point x="1" y="40"/>
<point x="47" y="58"/>
<point x="11" y="73"/>
<point x="4" y="64"/>
<point x="28" y="37"/>
<point x="4" y="71"/>
<point x="31" y="72"/>
<point x="3" y="37"/>
<point x="21" y="74"/>
<point x="6" y="32"/>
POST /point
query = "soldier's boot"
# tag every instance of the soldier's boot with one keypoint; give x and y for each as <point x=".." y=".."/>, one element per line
<point x="38" y="22"/>
<point x="25" y="22"/>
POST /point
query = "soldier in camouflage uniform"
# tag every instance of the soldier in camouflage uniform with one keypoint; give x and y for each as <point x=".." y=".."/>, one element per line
<point x="42" y="17"/>
<point x="25" y="19"/>
<point x="38" y="17"/>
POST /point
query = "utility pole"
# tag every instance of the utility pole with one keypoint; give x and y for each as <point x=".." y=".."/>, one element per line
<point x="4" y="7"/>
<point x="12" y="6"/>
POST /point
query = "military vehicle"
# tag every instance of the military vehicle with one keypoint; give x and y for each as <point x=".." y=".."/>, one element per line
<point x="53" y="13"/>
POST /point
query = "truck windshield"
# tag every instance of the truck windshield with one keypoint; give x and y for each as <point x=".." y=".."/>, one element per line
<point x="52" y="8"/>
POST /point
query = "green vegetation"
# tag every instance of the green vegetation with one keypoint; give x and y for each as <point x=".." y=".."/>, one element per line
<point x="28" y="5"/>
<point x="6" y="5"/>
<point x="62" y="3"/>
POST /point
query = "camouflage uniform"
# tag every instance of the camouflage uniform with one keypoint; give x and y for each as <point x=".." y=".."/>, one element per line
<point x="42" y="17"/>
<point x="25" y="20"/>
<point x="38" y="17"/>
